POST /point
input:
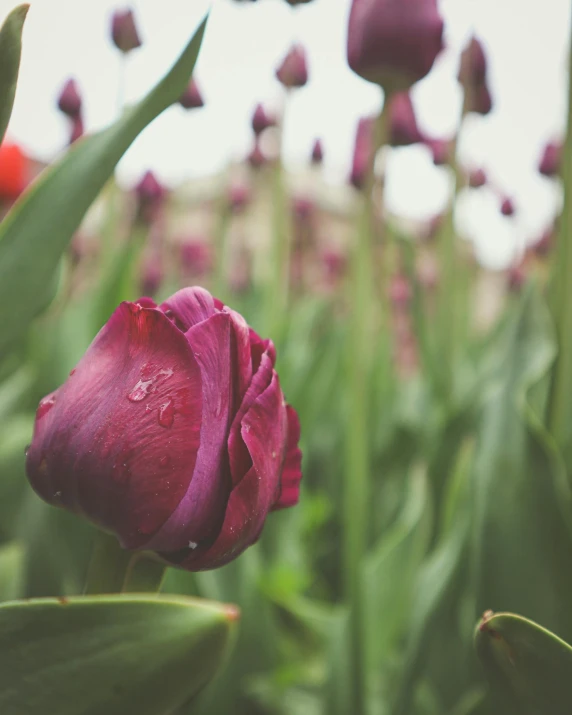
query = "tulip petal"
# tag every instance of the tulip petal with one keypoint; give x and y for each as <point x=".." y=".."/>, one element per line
<point x="133" y="406"/>
<point x="199" y="515"/>
<point x="264" y="433"/>
<point x="292" y="470"/>
<point x="189" y="306"/>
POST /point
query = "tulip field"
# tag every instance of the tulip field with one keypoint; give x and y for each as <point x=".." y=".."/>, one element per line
<point x="289" y="465"/>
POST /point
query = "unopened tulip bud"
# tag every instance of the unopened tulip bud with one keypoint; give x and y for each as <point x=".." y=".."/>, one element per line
<point x="124" y="31"/>
<point x="473" y="67"/>
<point x="13" y="170"/>
<point x="261" y="120"/>
<point x="317" y="152"/>
<point x="394" y="43"/>
<point x="293" y="72"/>
<point x="150" y="197"/>
<point x="477" y="178"/>
<point x="403" y="129"/>
<point x="507" y="207"/>
<point x="480" y="101"/>
<point x="551" y="160"/>
<point x="69" y="101"/>
<point x="192" y="97"/>
<point x="362" y="152"/>
<point x="172" y="432"/>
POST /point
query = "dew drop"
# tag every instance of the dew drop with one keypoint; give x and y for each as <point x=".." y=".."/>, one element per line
<point x="141" y="390"/>
<point x="193" y="544"/>
<point x="45" y="406"/>
<point x="27" y="449"/>
<point x="167" y="413"/>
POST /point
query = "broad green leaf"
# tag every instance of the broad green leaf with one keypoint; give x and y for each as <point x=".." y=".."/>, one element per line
<point x="521" y="543"/>
<point x="528" y="668"/>
<point x="108" y="654"/>
<point x="36" y="232"/>
<point x="390" y="572"/>
<point x="10" y="51"/>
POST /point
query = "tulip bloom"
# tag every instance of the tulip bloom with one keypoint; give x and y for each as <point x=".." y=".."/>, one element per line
<point x="293" y="72"/>
<point x="192" y="97"/>
<point x="261" y="120"/>
<point x="394" y="43"/>
<point x="172" y="432"/>
<point x="551" y="160"/>
<point x="124" y="31"/>
<point x="69" y="100"/>
<point x="13" y="170"/>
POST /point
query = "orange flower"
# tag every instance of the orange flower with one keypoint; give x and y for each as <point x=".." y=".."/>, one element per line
<point x="12" y="171"/>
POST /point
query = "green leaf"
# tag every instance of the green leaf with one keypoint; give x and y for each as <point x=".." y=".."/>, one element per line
<point x="11" y="571"/>
<point x="528" y="668"/>
<point x="36" y="232"/>
<point x="108" y="654"/>
<point x="10" y="51"/>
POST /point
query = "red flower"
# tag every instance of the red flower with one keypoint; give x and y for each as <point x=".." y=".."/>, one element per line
<point x="13" y="171"/>
<point x="172" y="432"/>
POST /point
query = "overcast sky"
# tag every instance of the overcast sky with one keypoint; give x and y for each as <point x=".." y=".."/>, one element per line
<point x="526" y="42"/>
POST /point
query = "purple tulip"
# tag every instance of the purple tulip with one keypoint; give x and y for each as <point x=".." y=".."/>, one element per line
<point x="261" y="120"/>
<point x="473" y="76"/>
<point x="192" y="97"/>
<point x="69" y="100"/>
<point x="124" y="31"/>
<point x="172" y="432"/>
<point x="507" y="207"/>
<point x="293" y="72"/>
<point x="403" y="129"/>
<point x="551" y="159"/>
<point x="362" y="152"/>
<point x="477" y="178"/>
<point x="394" y="43"/>
<point x="150" y="197"/>
<point x="317" y="152"/>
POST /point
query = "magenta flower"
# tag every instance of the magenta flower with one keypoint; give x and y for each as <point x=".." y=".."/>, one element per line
<point x="551" y="159"/>
<point x="394" y="43"/>
<point x="150" y="196"/>
<point x="69" y="100"/>
<point x="293" y="72"/>
<point x="507" y="207"/>
<point x="261" y="120"/>
<point x="477" y="178"/>
<point x="317" y="155"/>
<point x="403" y="129"/>
<point x="124" y="31"/>
<point x="473" y="76"/>
<point x="362" y="152"/>
<point x="192" y="97"/>
<point x="172" y="432"/>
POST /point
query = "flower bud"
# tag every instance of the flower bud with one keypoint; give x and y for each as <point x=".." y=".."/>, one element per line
<point x="13" y="170"/>
<point x="362" y="152"/>
<point x="507" y="207"/>
<point x="551" y="160"/>
<point x="192" y="97"/>
<point x="150" y="197"/>
<point x="69" y="100"/>
<point x="403" y="129"/>
<point x="293" y="72"/>
<point x="480" y="101"/>
<point x="261" y="120"/>
<point x="473" y="76"/>
<point x="317" y="152"/>
<point x="477" y="178"/>
<point x="394" y="43"/>
<point x="172" y="432"/>
<point x="124" y="32"/>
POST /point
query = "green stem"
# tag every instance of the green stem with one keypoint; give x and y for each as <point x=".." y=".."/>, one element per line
<point x="145" y="574"/>
<point x="357" y="466"/>
<point x="560" y="403"/>
<point x="108" y="566"/>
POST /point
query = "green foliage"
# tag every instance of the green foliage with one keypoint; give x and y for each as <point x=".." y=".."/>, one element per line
<point x="10" y="51"/>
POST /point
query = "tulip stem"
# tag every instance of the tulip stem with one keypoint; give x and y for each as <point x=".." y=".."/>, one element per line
<point x="145" y="574"/>
<point x="108" y="566"/>
<point x="357" y="462"/>
<point x="560" y="403"/>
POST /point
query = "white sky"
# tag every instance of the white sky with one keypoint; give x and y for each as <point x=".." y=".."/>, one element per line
<point x="526" y="41"/>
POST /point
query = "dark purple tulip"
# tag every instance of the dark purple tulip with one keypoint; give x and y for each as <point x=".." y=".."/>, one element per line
<point x="261" y="120"/>
<point x="171" y="433"/>
<point x="69" y="101"/>
<point x="317" y="152"/>
<point x="150" y="196"/>
<point x="293" y="72"/>
<point x="551" y="159"/>
<point x="257" y="158"/>
<point x="479" y="100"/>
<point x="440" y="150"/>
<point x="507" y="207"/>
<point x="473" y="67"/>
<point x="403" y="129"/>
<point x="196" y="257"/>
<point x="477" y="178"/>
<point x="192" y="97"/>
<point x="394" y="43"/>
<point x="124" y="31"/>
<point x="76" y="129"/>
<point x="362" y="152"/>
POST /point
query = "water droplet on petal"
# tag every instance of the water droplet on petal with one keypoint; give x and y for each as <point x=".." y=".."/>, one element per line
<point x="167" y="413"/>
<point x="193" y="544"/>
<point x="141" y="390"/>
<point x="27" y="449"/>
<point x="45" y="406"/>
